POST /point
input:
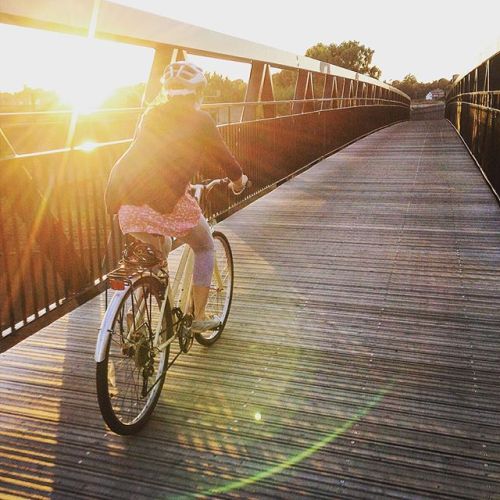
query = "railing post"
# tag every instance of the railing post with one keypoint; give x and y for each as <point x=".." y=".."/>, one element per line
<point x="253" y="90"/>
<point x="335" y="93"/>
<point x="340" y="92"/>
<point x="300" y="91"/>
<point x="303" y="90"/>
<point x="260" y="87"/>
<point x="486" y="86"/>
<point x="267" y="94"/>
<point x="309" y="106"/>
<point x="328" y="92"/>
<point x="350" y="94"/>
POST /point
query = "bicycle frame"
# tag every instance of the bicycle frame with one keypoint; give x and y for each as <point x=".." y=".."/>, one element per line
<point x="183" y="281"/>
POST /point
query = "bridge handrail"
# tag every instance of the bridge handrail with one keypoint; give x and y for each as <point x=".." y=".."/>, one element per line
<point x="128" y="25"/>
<point x="56" y="240"/>
<point x="6" y="118"/>
<point x="13" y="116"/>
<point x="473" y="108"/>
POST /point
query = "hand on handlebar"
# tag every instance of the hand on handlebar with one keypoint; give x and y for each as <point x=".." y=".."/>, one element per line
<point x="237" y="187"/>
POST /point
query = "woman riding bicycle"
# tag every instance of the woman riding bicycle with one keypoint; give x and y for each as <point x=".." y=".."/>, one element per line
<point x="148" y="186"/>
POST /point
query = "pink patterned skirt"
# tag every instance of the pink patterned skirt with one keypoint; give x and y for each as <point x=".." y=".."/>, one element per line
<point x="177" y="223"/>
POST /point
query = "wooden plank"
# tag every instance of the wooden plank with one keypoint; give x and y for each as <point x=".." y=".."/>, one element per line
<point x="363" y="332"/>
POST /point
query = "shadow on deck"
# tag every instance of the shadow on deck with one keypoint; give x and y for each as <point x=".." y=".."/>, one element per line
<point x="361" y="358"/>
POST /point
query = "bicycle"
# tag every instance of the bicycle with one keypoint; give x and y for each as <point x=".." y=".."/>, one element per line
<point x="148" y="312"/>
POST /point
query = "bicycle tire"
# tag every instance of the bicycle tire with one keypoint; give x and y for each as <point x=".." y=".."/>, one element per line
<point x="130" y="378"/>
<point x="219" y="298"/>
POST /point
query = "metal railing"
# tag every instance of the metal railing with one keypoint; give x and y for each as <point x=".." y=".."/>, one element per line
<point x="48" y="130"/>
<point x="286" y="107"/>
<point x="473" y="108"/>
<point x="56" y="241"/>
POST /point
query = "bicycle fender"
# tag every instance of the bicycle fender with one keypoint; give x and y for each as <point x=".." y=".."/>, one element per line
<point x="106" y="326"/>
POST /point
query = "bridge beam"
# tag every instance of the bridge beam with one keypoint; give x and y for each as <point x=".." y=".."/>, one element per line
<point x="260" y="88"/>
<point x="328" y="91"/>
<point x="303" y="90"/>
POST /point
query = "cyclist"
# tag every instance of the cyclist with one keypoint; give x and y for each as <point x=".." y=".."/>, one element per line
<point x="148" y="187"/>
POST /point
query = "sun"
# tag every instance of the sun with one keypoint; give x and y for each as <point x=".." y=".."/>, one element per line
<point x="83" y="71"/>
<point x="92" y="70"/>
<point x="84" y="96"/>
<point x="82" y="85"/>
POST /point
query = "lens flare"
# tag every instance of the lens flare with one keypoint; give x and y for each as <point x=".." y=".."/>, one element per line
<point x="87" y="146"/>
<point x="299" y="457"/>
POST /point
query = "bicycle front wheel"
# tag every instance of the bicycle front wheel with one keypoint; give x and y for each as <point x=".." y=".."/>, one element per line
<point x="130" y="378"/>
<point x="221" y="289"/>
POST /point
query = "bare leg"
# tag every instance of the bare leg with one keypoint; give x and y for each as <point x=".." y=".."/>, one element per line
<point x="200" y="298"/>
<point x="201" y="241"/>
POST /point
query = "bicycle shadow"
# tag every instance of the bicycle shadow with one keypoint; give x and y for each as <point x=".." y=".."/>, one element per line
<point x="242" y="412"/>
<point x="289" y="376"/>
<point x="294" y="395"/>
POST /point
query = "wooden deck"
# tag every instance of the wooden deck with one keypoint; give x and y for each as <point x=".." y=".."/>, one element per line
<point x="361" y="359"/>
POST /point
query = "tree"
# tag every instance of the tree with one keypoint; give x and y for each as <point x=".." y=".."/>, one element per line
<point x="219" y="89"/>
<point x="350" y="55"/>
<point x="125" y="97"/>
<point x="284" y="84"/>
<point x="418" y="90"/>
<point x="409" y="85"/>
<point x="30" y="99"/>
<point x="222" y="89"/>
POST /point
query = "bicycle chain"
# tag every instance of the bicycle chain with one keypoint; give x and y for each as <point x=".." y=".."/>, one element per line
<point x="183" y="325"/>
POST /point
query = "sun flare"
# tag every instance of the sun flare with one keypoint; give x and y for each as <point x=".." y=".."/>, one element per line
<point x="82" y="71"/>
<point x="81" y="97"/>
<point x="82" y="87"/>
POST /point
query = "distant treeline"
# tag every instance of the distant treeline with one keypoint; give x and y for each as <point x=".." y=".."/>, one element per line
<point x="418" y="90"/>
<point x="351" y="55"/>
<point x="29" y="99"/>
<point x="219" y="89"/>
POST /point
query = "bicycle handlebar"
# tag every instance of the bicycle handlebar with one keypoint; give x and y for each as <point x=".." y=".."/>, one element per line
<point x="208" y="185"/>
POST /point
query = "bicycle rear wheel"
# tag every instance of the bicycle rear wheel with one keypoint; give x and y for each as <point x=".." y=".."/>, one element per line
<point x="221" y="289"/>
<point x="130" y="378"/>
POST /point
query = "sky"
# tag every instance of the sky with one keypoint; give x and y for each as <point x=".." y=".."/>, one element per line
<point x="431" y="39"/>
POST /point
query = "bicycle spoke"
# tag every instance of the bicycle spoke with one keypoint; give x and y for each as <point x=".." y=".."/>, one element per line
<point x="220" y="293"/>
<point x="132" y="373"/>
<point x="135" y="367"/>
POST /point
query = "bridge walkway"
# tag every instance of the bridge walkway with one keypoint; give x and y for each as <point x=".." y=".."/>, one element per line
<point x="361" y="358"/>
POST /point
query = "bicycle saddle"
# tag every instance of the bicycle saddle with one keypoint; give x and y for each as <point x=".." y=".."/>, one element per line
<point x="139" y="254"/>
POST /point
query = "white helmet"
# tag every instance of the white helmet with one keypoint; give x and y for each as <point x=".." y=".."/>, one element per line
<point x="183" y="78"/>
